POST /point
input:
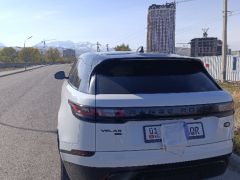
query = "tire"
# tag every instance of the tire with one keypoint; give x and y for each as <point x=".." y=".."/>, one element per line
<point x="64" y="174"/>
<point x="58" y="145"/>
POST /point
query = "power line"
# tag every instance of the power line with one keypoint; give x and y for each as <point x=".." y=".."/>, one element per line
<point x="236" y="11"/>
<point x="234" y="14"/>
<point x="183" y="1"/>
<point x="130" y="36"/>
<point x="133" y="35"/>
<point x="211" y="21"/>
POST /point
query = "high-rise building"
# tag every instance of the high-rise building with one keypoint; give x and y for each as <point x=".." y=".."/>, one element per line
<point x="161" y="28"/>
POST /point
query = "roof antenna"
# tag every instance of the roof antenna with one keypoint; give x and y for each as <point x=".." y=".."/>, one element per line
<point x="140" y="49"/>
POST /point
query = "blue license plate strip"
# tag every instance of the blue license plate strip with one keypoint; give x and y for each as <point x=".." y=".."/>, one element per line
<point x="188" y="134"/>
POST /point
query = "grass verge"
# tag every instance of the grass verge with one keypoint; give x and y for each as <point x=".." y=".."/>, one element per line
<point x="8" y="69"/>
<point x="234" y="89"/>
<point x="236" y="142"/>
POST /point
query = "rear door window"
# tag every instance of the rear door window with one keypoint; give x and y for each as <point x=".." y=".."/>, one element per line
<point x="74" y="79"/>
<point x="152" y="76"/>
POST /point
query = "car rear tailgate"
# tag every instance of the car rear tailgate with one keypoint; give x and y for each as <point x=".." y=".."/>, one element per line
<point x="129" y="135"/>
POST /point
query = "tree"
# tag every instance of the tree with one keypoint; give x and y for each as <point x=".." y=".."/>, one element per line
<point x="122" y="47"/>
<point x="29" y="55"/>
<point x="53" y="55"/>
<point x="8" y="54"/>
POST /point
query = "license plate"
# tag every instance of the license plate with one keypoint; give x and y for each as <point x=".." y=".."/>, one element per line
<point x="192" y="131"/>
<point x="152" y="133"/>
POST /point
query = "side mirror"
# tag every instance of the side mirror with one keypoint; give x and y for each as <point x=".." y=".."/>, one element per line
<point x="60" y="75"/>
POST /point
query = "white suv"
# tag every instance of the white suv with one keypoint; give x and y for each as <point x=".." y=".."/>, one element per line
<point x="139" y="115"/>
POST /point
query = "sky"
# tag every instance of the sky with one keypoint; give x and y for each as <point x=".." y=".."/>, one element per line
<point x="109" y="21"/>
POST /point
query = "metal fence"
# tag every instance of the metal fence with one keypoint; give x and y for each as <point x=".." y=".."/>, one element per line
<point x="214" y="65"/>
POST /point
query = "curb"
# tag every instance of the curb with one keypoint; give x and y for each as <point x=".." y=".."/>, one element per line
<point x="234" y="163"/>
<point x="20" y="71"/>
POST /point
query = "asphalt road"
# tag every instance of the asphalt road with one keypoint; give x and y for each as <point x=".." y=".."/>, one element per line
<point x="29" y="103"/>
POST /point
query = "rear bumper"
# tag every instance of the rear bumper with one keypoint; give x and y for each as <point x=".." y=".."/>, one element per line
<point x="150" y="157"/>
<point x="203" y="168"/>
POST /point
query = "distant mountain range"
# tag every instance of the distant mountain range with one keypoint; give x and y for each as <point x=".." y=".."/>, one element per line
<point x="80" y="47"/>
<point x="2" y="45"/>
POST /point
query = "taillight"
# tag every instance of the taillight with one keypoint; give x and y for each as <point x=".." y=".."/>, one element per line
<point x="223" y="107"/>
<point x="110" y="112"/>
<point x="82" y="112"/>
<point x="163" y="112"/>
<point x="123" y="114"/>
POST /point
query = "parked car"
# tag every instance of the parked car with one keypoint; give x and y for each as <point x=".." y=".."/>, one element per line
<point x="130" y="115"/>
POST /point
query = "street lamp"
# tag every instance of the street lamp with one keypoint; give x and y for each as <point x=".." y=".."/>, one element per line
<point x="24" y="51"/>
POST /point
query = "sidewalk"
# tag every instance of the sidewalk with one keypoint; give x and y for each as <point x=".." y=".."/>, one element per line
<point x="7" y="73"/>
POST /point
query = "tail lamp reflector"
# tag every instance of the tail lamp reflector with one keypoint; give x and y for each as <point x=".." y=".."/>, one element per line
<point x="137" y="113"/>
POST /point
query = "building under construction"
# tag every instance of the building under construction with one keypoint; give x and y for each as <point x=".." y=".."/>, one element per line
<point x="206" y="46"/>
<point x="161" y="28"/>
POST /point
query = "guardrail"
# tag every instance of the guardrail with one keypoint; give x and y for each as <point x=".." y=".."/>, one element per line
<point x="22" y="65"/>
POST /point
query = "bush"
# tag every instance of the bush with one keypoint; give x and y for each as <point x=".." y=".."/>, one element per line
<point x="234" y="90"/>
<point x="236" y="142"/>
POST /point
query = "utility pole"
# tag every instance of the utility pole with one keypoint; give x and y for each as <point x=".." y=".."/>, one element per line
<point x="43" y="52"/>
<point x="107" y="47"/>
<point x="224" y="45"/>
<point x="98" y="47"/>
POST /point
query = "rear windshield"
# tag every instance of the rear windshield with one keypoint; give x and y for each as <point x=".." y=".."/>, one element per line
<point x="152" y="76"/>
